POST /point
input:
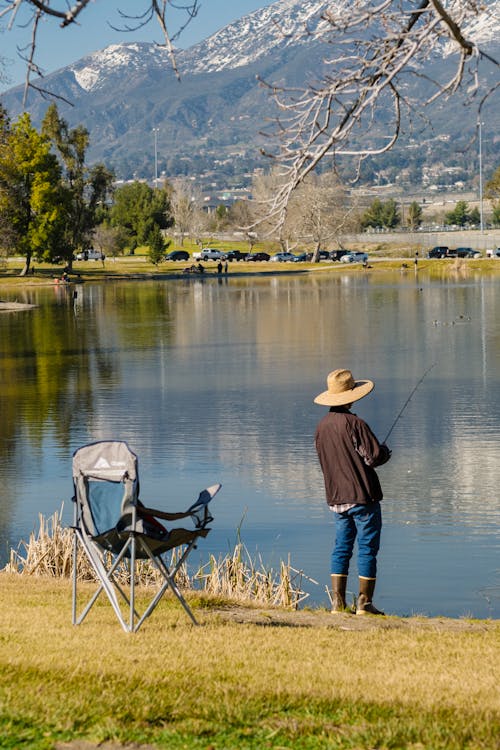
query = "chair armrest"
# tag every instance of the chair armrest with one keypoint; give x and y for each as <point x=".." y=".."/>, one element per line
<point x="161" y="514"/>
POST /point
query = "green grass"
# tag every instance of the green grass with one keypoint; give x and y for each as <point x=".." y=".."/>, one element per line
<point x="382" y="257"/>
<point x="228" y="685"/>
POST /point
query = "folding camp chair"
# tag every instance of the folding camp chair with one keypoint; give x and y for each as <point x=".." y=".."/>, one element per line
<point x="115" y="530"/>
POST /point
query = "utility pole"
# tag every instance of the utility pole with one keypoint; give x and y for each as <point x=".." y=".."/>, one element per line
<point x="480" y="124"/>
<point x="155" y="132"/>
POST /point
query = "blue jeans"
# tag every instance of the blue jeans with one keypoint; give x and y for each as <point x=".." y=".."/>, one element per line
<point x="365" y="523"/>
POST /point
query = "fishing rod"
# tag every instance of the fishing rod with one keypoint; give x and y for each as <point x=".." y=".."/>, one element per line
<point x="408" y="401"/>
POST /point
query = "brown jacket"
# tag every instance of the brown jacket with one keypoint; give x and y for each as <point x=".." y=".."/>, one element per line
<point x="348" y="451"/>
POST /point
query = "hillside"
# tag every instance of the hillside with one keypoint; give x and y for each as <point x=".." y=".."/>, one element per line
<point x="211" y="122"/>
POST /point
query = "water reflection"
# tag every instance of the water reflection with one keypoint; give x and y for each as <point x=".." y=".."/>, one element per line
<point x="214" y="382"/>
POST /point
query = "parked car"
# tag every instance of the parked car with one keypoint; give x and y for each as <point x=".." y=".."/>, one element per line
<point x="90" y="254"/>
<point x="338" y="254"/>
<point x="235" y="255"/>
<point x="209" y="253"/>
<point x="323" y="255"/>
<point x="354" y="257"/>
<point x="257" y="256"/>
<point x="177" y="255"/>
<point x="467" y="252"/>
<point x="440" y="251"/>
<point x="283" y="257"/>
<point x="301" y="258"/>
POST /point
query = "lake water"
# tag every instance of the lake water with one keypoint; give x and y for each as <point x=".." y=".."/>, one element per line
<point x="212" y="380"/>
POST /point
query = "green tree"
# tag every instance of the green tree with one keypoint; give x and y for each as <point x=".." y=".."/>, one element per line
<point x="390" y="214"/>
<point x="380" y="214"/>
<point x="32" y="199"/>
<point x="474" y="216"/>
<point x="157" y="245"/>
<point x="138" y="208"/>
<point x="459" y="216"/>
<point x="87" y="189"/>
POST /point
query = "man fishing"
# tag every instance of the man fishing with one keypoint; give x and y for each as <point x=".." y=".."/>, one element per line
<point x="348" y="452"/>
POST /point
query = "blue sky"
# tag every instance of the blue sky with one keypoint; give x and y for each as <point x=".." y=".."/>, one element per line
<point x="57" y="48"/>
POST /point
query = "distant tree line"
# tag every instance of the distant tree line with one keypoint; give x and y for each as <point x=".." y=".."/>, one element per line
<point x="53" y="205"/>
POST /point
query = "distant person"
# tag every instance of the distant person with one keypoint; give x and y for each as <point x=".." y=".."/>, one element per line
<point x="201" y="268"/>
<point x="219" y="267"/>
<point x="226" y="266"/>
<point x="348" y="452"/>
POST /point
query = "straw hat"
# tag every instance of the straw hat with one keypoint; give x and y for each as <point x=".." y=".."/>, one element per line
<point x="343" y="389"/>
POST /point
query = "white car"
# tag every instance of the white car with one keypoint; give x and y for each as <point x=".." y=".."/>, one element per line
<point x="90" y="254"/>
<point x="283" y="257"/>
<point x="209" y="253"/>
<point x="354" y="258"/>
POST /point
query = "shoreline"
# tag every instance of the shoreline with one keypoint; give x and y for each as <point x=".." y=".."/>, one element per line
<point x="129" y="269"/>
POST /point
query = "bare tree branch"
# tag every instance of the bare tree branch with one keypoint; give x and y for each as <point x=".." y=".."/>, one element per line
<point x="379" y="49"/>
<point x="159" y="10"/>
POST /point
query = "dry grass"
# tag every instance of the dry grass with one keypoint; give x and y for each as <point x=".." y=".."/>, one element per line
<point x="226" y="685"/>
<point x="236" y="576"/>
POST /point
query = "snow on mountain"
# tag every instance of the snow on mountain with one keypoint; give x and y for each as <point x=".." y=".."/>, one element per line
<point x="139" y="57"/>
<point x="282" y="24"/>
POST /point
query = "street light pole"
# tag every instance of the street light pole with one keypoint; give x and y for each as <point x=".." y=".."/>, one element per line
<point x="155" y="131"/>
<point x="480" y="124"/>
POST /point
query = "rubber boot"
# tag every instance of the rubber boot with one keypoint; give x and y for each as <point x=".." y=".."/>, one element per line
<point x="339" y="583"/>
<point x="365" y="604"/>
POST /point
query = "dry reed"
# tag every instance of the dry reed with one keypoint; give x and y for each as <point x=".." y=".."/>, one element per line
<point x="235" y="576"/>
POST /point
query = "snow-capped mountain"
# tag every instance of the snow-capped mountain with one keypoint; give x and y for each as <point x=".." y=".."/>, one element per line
<point x="213" y="117"/>
<point x="282" y="25"/>
<point x="91" y="71"/>
<point x="286" y="23"/>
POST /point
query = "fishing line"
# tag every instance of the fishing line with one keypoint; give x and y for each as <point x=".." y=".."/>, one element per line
<point x="408" y="401"/>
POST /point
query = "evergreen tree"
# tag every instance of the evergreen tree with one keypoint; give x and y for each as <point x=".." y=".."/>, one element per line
<point x="373" y="216"/>
<point x="474" y="216"/>
<point x="138" y="208"/>
<point x="390" y="214"/>
<point x="32" y="199"/>
<point x="86" y="188"/>
<point x="459" y="216"/>
<point x="380" y="214"/>
<point x="157" y="245"/>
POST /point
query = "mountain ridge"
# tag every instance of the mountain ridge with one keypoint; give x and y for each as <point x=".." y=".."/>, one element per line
<point x="213" y="118"/>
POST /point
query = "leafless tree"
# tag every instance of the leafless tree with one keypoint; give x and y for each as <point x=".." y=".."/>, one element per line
<point x="110" y="240"/>
<point x="185" y="202"/>
<point x="379" y="48"/>
<point x="242" y="218"/>
<point x="66" y="13"/>
<point x="319" y="210"/>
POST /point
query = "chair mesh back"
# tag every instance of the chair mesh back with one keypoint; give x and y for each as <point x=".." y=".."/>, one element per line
<point x="106" y="482"/>
<point x="105" y="504"/>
